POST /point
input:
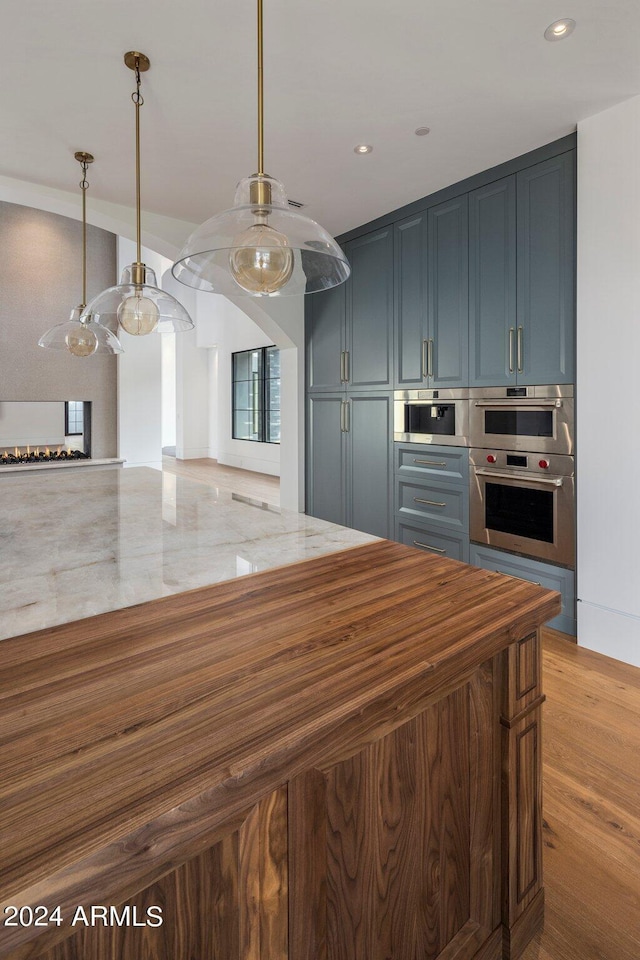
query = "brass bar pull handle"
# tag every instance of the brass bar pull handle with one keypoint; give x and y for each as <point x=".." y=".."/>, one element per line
<point x="347" y="416"/>
<point x="431" y="463"/>
<point x="347" y="371"/>
<point x="430" y="359"/>
<point x="534" y="583"/>
<point x="427" y="546"/>
<point x="342" y="416"/>
<point x="512" y="331"/>
<point x="425" y="361"/>
<point x="520" y="349"/>
<point x="342" y="366"/>
<point x="431" y="503"/>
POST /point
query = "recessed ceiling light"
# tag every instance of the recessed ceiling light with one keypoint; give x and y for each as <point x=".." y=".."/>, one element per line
<point x="422" y="131"/>
<point x="363" y="148"/>
<point x="559" y="29"/>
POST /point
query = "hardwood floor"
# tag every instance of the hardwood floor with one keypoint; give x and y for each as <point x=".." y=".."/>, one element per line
<point x="591" y="776"/>
<point x="591" y="757"/>
<point x="250" y="484"/>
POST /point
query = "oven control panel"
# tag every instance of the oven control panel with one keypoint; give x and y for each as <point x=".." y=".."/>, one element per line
<point x="508" y="461"/>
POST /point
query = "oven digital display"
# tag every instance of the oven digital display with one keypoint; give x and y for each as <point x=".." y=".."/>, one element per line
<point x="519" y="511"/>
<point x="519" y="423"/>
<point x="516" y="460"/>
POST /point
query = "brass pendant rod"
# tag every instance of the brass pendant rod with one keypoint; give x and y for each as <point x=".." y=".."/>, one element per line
<point x="260" y="93"/>
<point x="84" y="240"/>
<point x="137" y="99"/>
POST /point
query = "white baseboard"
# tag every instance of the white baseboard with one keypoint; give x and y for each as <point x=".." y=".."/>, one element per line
<point x="250" y="463"/>
<point x="192" y="453"/>
<point x="610" y="632"/>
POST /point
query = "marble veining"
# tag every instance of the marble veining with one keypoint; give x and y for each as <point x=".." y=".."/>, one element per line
<point x="74" y="544"/>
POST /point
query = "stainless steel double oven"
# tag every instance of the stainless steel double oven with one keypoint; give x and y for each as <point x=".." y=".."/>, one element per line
<point x="522" y="470"/>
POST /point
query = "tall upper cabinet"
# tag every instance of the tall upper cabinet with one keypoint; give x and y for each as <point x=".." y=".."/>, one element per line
<point x="522" y="277"/>
<point x="431" y="297"/>
<point x="545" y="336"/>
<point x="349" y="336"/>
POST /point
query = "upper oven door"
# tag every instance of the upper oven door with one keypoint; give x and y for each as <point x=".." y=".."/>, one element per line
<point x="543" y="424"/>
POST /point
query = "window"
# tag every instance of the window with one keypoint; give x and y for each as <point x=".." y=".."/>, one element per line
<point x="74" y="418"/>
<point x="256" y="395"/>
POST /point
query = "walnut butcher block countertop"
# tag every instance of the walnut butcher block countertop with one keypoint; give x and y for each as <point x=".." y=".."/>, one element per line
<point x="130" y="738"/>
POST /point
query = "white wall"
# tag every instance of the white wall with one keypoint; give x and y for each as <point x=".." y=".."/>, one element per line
<point x="225" y="326"/>
<point x="168" y="361"/>
<point x="140" y="381"/>
<point x="608" y="409"/>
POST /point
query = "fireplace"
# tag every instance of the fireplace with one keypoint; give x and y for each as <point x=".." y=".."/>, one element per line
<point x="42" y="432"/>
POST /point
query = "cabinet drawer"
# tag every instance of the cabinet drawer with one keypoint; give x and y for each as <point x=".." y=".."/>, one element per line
<point x="546" y="574"/>
<point x="443" y="503"/>
<point x="433" y="539"/>
<point x="431" y="462"/>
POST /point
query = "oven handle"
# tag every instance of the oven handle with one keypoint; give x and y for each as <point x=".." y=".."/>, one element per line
<point x="519" y="402"/>
<point x="549" y="481"/>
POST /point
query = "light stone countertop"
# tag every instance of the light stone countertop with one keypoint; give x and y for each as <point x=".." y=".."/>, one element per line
<point x="78" y="543"/>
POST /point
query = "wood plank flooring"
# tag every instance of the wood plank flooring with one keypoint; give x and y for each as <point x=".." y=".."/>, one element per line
<point x="591" y="776"/>
<point x="249" y="484"/>
<point x="591" y="780"/>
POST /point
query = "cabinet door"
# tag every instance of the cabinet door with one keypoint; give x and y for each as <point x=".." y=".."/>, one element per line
<point x="546" y="271"/>
<point x="370" y="311"/>
<point x="492" y="284"/>
<point x="448" y="292"/>
<point x="325" y="338"/>
<point x="370" y="465"/>
<point x="410" y="250"/>
<point x="326" y="458"/>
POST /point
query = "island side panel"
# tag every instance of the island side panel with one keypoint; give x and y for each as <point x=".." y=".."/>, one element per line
<point x="229" y="903"/>
<point x="394" y="852"/>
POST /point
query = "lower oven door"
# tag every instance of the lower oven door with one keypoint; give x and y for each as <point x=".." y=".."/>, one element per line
<point x="531" y="515"/>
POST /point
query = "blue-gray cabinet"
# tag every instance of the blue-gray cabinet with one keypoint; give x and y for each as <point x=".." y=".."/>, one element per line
<point x="349" y="463"/>
<point x="492" y="284"/>
<point x="410" y="308"/>
<point x="349" y="329"/>
<point x="546" y="244"/>
<point x="522" y="277"/>
<point x="431" y="493"/>
<point x="545" y="574"/>
<point x="431" y="297"/>
<point x="326" y="339"/>
<point x="369" y="312"/>
<point x="327" y="458"/>
<point x="369" y="432"/>
<point x="448" y="293"/>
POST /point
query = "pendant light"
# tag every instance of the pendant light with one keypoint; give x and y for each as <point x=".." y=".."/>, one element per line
<point x="137" y="304"/>
<point x="261" y="246"/>
<point x="80" y="335"/>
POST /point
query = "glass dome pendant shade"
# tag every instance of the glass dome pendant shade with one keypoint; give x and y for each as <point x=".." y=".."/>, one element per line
<point x="261" y="246"/>
<point x="137" y="304"/>
<point x="80" y="335"/>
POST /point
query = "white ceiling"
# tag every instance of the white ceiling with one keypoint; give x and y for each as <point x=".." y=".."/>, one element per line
<point x="337" y="73"/>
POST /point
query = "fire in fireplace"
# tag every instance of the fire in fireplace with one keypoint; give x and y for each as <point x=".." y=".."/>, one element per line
<point x="20" y="455"/>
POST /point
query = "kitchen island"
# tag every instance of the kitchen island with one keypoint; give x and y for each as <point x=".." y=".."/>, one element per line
<point x="338" y="758"/>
